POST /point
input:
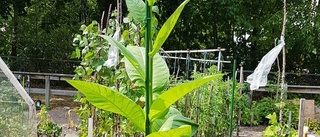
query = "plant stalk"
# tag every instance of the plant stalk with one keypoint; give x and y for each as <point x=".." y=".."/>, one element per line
<point x="149" y="64"/>
<point x="232" y="96"/>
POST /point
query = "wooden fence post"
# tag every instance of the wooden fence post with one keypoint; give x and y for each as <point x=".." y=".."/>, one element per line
<point x="47" y="90"/>
<point x="90" y="127"/>
<point x="301" y="118"/>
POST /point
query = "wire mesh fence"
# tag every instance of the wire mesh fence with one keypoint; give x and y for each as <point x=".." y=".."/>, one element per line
<point x="42" y="65"/>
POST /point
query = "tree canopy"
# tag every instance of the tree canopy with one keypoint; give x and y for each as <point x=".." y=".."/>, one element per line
<point x="40" y="32"/>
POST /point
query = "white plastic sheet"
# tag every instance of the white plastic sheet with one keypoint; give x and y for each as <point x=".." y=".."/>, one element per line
<point x="259" y="77"/>
<point x="113" y="53"/>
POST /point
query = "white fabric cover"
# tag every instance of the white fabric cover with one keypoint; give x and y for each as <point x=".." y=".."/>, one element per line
<point x="113" y="53"/>
<point x="259" y="77"/>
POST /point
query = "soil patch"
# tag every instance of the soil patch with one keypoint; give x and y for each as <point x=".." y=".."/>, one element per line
<point x="60" y="106"/>
<point x="56" y="101"/>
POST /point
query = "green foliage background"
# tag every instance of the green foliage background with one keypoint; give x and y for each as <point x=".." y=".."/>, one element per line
<point x="42" y="30"/>
<point x="14" y="120"/>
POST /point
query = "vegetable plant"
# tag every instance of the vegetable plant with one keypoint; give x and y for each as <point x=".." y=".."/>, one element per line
<point x="276" y="129"/>
<point x="93" y="52"/>
<point x="164" y="119"/>
<point x="47" y="126"/>
<point x="209" y="104"/>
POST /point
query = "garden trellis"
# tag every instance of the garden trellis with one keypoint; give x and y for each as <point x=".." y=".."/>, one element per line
<point x="17" y="117"/>
<point x="218" y="60"/>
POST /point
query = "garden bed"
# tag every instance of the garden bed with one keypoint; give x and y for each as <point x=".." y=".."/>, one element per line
<point x="60" y="105"/>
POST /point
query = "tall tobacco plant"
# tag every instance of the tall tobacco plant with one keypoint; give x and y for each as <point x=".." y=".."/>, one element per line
<point x="150" y="75"/>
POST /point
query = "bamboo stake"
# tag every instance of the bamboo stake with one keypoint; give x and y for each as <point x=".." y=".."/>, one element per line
<point x="251" y="111"/>
<point x="239" y="109"/>
<point x="279" y="74"/>
<point x="108" y="18"/>
<point x="283" y="62"/>
<point x="117" y="117"/>
<point x="101" y="20"/>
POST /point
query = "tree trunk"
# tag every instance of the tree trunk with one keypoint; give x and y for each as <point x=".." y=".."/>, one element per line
<point x="14" y="51"/>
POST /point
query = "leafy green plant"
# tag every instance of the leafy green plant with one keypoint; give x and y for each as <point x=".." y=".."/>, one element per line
<point x="277" y="130"/>
<point x="246" y="112"/>
<point x="93" y="52"/>
<point x="46" y="126"/>
<point x="294" y="108"/>
<point x="161" y="115"/>
<point x="105" y="98"/>
<point x="265" y="107"/>
<point x="214" y="95"/>
<point x="314" y="125"/>
<point x="204" y="99"/>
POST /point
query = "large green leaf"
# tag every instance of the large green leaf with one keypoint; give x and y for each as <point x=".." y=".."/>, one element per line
<point x="167" y="28"/>
<point x="183" y="131"/>
<point x="160" y="70"/>
<point x="129" y="56"/>
<point x="136" y="9"/>
<point x="173" y="119"/>
<point x="107" y="99"/>
<point x="165" y="100"/>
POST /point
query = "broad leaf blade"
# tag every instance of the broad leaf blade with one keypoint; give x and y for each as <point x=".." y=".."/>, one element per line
<point x="160" y="70"/>
<point x="173" y="119"/>
<point x="129" y="56"/>
<point x="165" y="100"/>
<point x="167" y="28"/>
<point x="107" y="99"/>
<point x="136" y="9"/>
<point x="183" y="131"/>
<point x="273" y="119"/>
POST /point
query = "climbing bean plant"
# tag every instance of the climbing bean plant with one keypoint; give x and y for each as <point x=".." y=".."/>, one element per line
<point x="93" y="52"/>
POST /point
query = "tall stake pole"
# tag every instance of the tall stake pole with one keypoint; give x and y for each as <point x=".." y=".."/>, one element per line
<point x="232" y="97"/>
<point x="240" y="91"/>
<point x="149" y="63"/>
<point x="283" y="62"/>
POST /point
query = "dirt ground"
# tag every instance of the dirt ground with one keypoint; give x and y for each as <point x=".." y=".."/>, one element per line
<point x="60" y="105"/>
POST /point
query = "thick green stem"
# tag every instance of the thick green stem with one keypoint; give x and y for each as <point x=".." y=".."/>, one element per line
<point x="232" y="97"/>
<point x="149" y="64"/>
